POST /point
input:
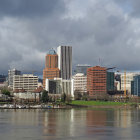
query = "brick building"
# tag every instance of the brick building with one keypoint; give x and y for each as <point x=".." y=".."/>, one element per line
<point x="51" y="70"/>
<point x="97" y="81"/>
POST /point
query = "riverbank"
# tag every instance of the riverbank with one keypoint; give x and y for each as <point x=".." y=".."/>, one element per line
<point x="35" y="106"/>
<point x="72" y="104"/>
<point x="102" y="104"/>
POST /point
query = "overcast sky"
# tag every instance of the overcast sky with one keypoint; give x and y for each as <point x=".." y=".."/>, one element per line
<point x="108" y="30"/>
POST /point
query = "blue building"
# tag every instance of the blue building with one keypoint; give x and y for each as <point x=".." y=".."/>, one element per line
<point x="132" y="87"/>
<point x="110" y="81"/>
<point x="136" y="85"/>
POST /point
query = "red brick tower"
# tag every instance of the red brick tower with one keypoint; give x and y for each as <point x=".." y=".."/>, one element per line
<point x="96" y="81"/>
<point x="51" y="70"/>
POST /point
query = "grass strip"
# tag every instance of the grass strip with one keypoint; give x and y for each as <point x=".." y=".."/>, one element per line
<point x="98" y="103"/>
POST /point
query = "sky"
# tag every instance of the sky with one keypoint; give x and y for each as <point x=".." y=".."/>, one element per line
<point x="105" y="30"/>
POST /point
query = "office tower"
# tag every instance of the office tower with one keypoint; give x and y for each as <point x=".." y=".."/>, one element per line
<point x="51" y="70"/>
<point x="65" y="61"/>
<point x="96" y="81"/>
<point x="110" y="81"/>
<point x="132" y="87"/>
<point x="80" y="82"/>
<point x="82" y="68"/>
<point x="11" y="74"/>
<point x="66" y="87"/>
<point x="27" y="82"/>
<point x="135" y="86"/>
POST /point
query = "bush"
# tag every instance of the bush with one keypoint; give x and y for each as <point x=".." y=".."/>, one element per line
<point x="5" y="92"/>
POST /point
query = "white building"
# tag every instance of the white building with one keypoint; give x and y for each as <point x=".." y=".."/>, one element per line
<point x="67" y="87"/>
<point x="129" y="78"/>
<point x="11" y="74"/>
<point x="28" y="82"/>
<point x="65" y="61"/>
<point x="28" y="96"/>
<point x="80" y="82"/>
<point x="59" y="86"/>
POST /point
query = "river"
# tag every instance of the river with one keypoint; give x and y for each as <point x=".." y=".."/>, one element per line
<point x="70" y="124"/>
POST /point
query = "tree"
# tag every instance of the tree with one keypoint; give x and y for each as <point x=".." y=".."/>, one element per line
<point x="5" y="92"/>
<point x="85" y="96"/>
<point x="45" y="96"/>
<point x="63" y="97"/>
<point x="77" y="95"/>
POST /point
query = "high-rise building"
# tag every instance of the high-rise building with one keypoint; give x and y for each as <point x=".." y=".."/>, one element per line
<point x="82" y="68"/>
<point x="65" y="61"/>
<point x="110" y="81"/>
<point x="132" y="87"/>
<point x="80" y="82"/>
<point x="135" y="89"/>
<point x="96" y="81"/>
<point x="27" y="82"/>
<point x="11" y="74"/>
<point x="51" y="70"/>
<point x="67" y="88"/>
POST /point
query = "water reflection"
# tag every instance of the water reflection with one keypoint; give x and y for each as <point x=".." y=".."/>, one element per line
<point x="123" y="118"/>
<point x="79" y="124"/>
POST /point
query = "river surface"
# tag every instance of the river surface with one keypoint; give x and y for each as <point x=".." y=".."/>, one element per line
<point x="70" y="124"/>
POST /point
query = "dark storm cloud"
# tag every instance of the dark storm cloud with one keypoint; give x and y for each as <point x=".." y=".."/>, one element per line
<point x="18" y="45"/>
<point x="31" y="8"/>
<point x="99" y="29"/>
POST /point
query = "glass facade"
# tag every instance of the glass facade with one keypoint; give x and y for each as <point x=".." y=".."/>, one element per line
<point x="137" y="85"/>
<point x="132" y="87"/>
<point x="110" y="81"/>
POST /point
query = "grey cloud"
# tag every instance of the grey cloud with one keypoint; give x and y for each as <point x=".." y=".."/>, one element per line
<point x="31" y="8"/>
<point x="103" y="33"/>
<point x="130" y="6"/>
<point x="135" y="8"/>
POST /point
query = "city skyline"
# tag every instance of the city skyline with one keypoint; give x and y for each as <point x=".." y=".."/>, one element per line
<point x="108" y="30"/>
<point x="69" y="69"/>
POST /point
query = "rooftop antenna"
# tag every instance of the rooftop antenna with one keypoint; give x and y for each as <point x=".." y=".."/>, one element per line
<point x="99" y="61"/>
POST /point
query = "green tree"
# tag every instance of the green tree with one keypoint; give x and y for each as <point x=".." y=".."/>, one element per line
<point x="77" y="95"/>
<point x="85" y="97"/>
<point x="45" y="96"/>
<point x="63" y="97"/>
<point x="5" y="92"/>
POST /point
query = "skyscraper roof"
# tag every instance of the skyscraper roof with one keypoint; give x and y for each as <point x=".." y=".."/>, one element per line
<point x="52" y="52"/>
